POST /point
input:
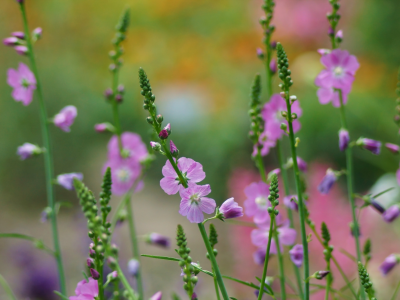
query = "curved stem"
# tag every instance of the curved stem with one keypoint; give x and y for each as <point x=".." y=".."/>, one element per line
<point x="349" y="176"/>
<point x="7" y="288"/>
<point x="300" y="198"/>
<point x="48" y="154"/>
<point x="214" y="263"/>
<point x="125" y="282"/>
<point x="135" y="246"/>
<point x="289" y="211"/>
<point x="264" y="274"/>
<point x="280" y="263"/>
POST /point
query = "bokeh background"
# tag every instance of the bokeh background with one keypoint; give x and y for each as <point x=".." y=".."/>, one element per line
<point x="201" y="58"/>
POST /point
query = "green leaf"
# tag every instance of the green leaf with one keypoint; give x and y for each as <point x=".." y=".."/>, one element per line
<point x="175" y="297"/>
<point x="383" y="192"/>
<point x="7" y="288"/>
<point x="37" y="243"/>
<point x="86" y="277"/>
<point x="161" y="257"/>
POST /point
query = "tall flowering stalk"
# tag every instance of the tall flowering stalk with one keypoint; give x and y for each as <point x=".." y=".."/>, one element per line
<point x="284" y="75"/>
<point x="48" y="154"/>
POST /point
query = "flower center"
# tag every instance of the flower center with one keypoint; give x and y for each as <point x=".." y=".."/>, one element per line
<point x="24" y="83"/>
<point x="123" y="174"/>
<point x="338" y="71"/>
<point x="261" y="202"/>
<point x="195" y="198"/>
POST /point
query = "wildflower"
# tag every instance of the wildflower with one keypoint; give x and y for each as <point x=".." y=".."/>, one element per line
<point x="133" y="267"/>
<point x="23" y="82"/>
<point x="296" y="255"/>
<point x="329" y="94"/>
<point x="124" y="173"/>
<point x="370" y="145"/>
<point x="194" y="202"/>
<point x="259" y="256"/>
<point x="168" y="128"/>
<point x="45" y="215"/>
<point x="37" y="33"/>
<point x="173" y="149"/>
<point x="67" y="180"/>
<point x="272" y="116"/>
<point x="28" y="150"/>
<point x="86" y="290"/>
<point x="257" y="202"/>
<point x="102" y="127"/>
<point x="108" y="93"/>
<point x="327" y="182"/>
<point x="273" y="66"/>
<point x="391" y="213"/>
<point x="132" y="144"/>
<point x="291" y="202"/>
<point x="163" y="134"/>
<point x="300" y="163"/>
<point x="230" y="209"/>
<point x="21" y="50"/>
<point x="11" y="41"/>
<point x="340" y="68"/>
<point x="65" y="118"/>
<point x="265" y="142"/>
<point x="156" y="296"/>
<point x="389" y="263"/>
<point x="90" y="262"/>
<point x="320" y="274"/>
<point x="18" y="34"/>
<point x="392" y="148"/>
<point x="155" y="146"/>
<point x="344" y="139"/>
<point x="191" y="170"/>
<point x="286" y="236"/>
<point x="339" y="35"/>
<point x="159" y="240"/>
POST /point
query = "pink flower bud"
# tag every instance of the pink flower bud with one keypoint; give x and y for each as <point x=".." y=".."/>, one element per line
<point x="273" y="66"/>
<point x="344" y="139"/>
<point x="21" y="50"/>
<point x="339" y="34"/>
<point x="392" y="148"/>
<point x="102" y="127"/>
<point x="95" y="274"/>
<point x="90" y="262"/>
<point x="156" y="296"/>
<point x="28" y="150"/>
<point x="230" y="209"/>
<point x="163" y="134"/>
<point x="10" y="41"/>
<point x="18" y="34"/>
<point x="37" y="32"/>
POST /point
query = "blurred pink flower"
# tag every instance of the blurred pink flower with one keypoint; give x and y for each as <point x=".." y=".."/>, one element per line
<point x="257" y="202"/>
<point x="230" y="209"/>
<point x="124" y="173"/>
<point x="23" y="82"/>
<point x="86" y="290"/>
<point x="132" y="145"/>
<point x="67" y="180"/>
<point x="65" y="118"/>
<point x="194" y="202"/>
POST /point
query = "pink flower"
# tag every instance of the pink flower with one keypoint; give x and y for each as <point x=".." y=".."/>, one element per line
<point x="132" y="145"/>
<point x="296" y="255"/>
<point x="11" y="41"/>
<point x="340" y="68"/>
<point x="257" y="202"/>
<point x="271" y="114"/>
<point x="286" y="236"/>
<point x="328" y="94"/>
<point x="65" y="118"/>
<point x="192" y="170"/>
<point x="86" y="290"/>
<point x="67" y="180"/>
<point x="266" y="144"/>
<point x="344" y="139"/>
<point x="101" y="127"/>
<point x="27" y="150"/>
<point x="392" y="148"/>
<point x="194" y="203"/>
<point x="230" y="209"/>
<point x="23" y="82"/>
<point x="156" y="296"/>
<point x="124" y="173"/>
<point x="389" y="263"/>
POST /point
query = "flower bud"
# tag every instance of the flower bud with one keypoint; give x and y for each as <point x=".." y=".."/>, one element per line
<point x="296" y="255"/>
<point x="90" y="262"/>
<point x="21" y="50"/>
<point x="118" y="98"/>
<point x="163" y="134"/>
<point x="320" y="274"/>
<point x="283" y="126"/>
<point x="392" y="148"/>
<point x="133" y="267"/>
<point x="159" y="240"/>
<point x="155" y="146"/>
<point x="389" y="263"/>
<point x="230" y="209"/>
<point x="344" y="139"/>
<point x="37" y="33"/>
<point x="159" y="119"/>
<point x="156" y="296"/>
<point x="18" y="34"/>
<point x="370" y="145"/>
<point x="273" y="66"/>
<point x="260" y="53"/>
<point x="168" y="128"/>
<point x="121" y="89"/>
<point x="327" y="182"/>
<point x="174" y="150"/>
<point x="339" y="36"/>
<point x="95" y="274"/>
<point x="324" y="51"/>
<point x="45" y="215"/>
<point x="391" y="213"/>
<point x="11" y="41"/>
<point x="28" y="150"/>
<point x="108" y="93"/>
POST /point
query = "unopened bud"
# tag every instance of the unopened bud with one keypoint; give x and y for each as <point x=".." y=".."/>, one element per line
<point x="155" y="146"/>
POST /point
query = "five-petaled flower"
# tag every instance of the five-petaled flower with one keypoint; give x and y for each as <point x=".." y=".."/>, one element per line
<point x="257" y="202"/>
<point x="65" y="118"/>
<point x="86" y="290"/>
<point x="194" y="202"/>
<point x="23" y="82"/>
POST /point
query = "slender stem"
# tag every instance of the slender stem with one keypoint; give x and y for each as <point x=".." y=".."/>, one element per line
<point x="216" y="286"/>
<point x="135" y="246"/>
<point x="99" y="268"/>
<point x="328" y="280"/>
<point x="260" y="166"/>
<point x="125" y="282"/>
<point x="289" y="211"/>
<point x="300" y="198"/>
<point x="117" y="123"/>
<point x="280" y="262"/>
<point x="264" y="274"/>
<point x="7" y="288"/>
<point x="349" y="176"/>
<point x="48" y="155"/>
<point x="214" y="263"/>
<point x="268" y="72"/>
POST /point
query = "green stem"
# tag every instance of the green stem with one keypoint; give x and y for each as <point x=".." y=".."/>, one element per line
<point x="349" y="176"/>
<point x="268" y="72"/>
<point x="289" y="211"/>
<point x="135" y="247"/>
<point x="264" y="274"/>
<point x="216" y="286"/>
<point x="280" y="263"/>
<point x="328" y="281"/>
<point x="99" y="267"/>
<point x="7" y="288"/>
<point x="299" y="197"/>
<point x="214" y="263"/>
<point x="117" y="123"/>
<point x="260" y="166"/>
<point x="125" y="282"/>
<point x="48" y="155"/>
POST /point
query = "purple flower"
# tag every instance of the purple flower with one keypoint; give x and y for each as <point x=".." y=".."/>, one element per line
<point x="86" y="290"/>
<point x="27" y="150"/>
<point x="159" y="240"/>
<point x="163" y="134"/>
<point x="156" y="296"/>
<point x="230" y="209"/>
<point x="18" y="34"/>
<point x="266" y="144"/>
<point x="271" y="114"/>
<point x="132" y="145"/>
<point x="257" y="203"/>
<point x="296" y="255"/>
<point x="339" y="71"/>
<point x="391" y="213"/>
<point x="192" y="170"/>
<point x="45" y="215"/>
<point x="65" y="118"/>
<point x="389" y="263"/>
<point x="344" y="139"/>
<point x="329" y="94"/>
<point x="292" y="204"/>
<point x="273" y="66"/>
<point x="108" y="93"/>
<point x="124" y="173"/>
<point x="90" y="262"/>
<point x="301" y="164"/>
<point x="327" y="182"/>
<point x="286" y="236"/>
<point x="23" y="82"/>
<point x="392" y="148"/>
<point x="11" y="41"/>
<point x="370" y="145"/>
<point x="21" y="50"/>
<point x="67" y="180"/>
<point x="194" y="202"/>
<point x="133" y="267"/>
<point x="259" y="256"/>
<point x="377" y="206"/>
